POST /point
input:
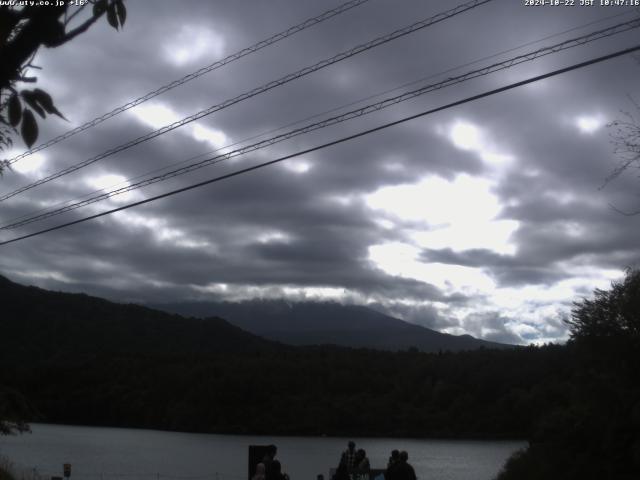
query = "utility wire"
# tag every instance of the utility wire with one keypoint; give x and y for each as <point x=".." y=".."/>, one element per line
<point x="334" y="142"/>
<point x="311" y="117"/>
<point x="256" y="91"/>
<point x="310" y="22"/>
<point x="607" y="32"/>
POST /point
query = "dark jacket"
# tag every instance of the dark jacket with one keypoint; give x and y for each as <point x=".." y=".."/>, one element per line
<point x="403" y="471"/>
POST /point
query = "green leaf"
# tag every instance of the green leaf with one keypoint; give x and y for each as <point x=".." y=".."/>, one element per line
<point x="112" y="16"/>
<point x="30" y="98"/>
<point x="29" y="130"/>
<point x="121" y="10"/>
<point x="46" y="102"/>
<point x="99" y="7"/>
<point x="15" y="110"/>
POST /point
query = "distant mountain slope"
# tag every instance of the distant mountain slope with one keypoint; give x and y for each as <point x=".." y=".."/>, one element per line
<point x="38" y="325"/>
<point x="316" y="323"/>
<point x="83" y="360"/>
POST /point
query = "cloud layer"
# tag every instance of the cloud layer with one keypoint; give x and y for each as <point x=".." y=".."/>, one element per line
<point x="485" y="219"/>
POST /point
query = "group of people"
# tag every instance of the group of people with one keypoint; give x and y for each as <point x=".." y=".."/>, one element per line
<point x="353" y="459"/>
<point x="398" y="467"/>
<point x="270" y="468"/>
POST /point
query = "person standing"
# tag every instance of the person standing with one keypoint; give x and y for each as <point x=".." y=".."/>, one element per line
<point x="348" y="458"/>
<point x="362" y="462"/>
<point x="260" y="472"/>
<point x="269" y="458"/>
<point x="403" y="470"/>
<point x="276" y="471"/>
<point x="393" y="462"/>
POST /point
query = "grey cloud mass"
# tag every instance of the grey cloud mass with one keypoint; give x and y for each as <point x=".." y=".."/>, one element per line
<point x="487" y="219"/>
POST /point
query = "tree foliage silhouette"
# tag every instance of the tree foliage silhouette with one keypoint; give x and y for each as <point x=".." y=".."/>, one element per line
<point x="596" y="435"/>
<point x="613" y="313"/>
<point x="23" y="30"/>
<point x="14" y="409"/>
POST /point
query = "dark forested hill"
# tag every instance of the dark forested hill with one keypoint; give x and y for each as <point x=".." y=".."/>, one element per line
<point x="83" y="360"/>
<point x="317" y="323"/>
<point x="39" y="325"/>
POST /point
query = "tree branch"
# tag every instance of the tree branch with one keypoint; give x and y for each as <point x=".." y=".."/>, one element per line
<point x="622" y="212"/>
<point x="68" y="20"/>
<point x="76" y="31"/>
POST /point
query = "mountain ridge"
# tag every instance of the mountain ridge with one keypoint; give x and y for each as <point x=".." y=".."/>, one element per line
<point x="317" y="323"/>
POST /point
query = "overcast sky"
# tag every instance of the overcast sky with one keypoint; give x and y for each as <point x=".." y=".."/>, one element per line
<point x="486" y="219"/>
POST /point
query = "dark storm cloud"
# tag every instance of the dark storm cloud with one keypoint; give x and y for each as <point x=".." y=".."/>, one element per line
<point x="277" y="227"/>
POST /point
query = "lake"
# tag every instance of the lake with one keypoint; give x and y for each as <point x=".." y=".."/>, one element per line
<point x="128" y="454"/>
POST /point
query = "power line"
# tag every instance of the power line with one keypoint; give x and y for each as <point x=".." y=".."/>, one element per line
<point x="310" y="22"/>
<point x="256" y="91"/>
<point x="607" y="32"/>
<point x="317" y="115"/>
<point x="9" y="223"/>
<point x="332" y="143"/>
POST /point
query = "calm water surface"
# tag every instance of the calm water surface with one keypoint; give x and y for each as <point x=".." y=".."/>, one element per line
<point x="126" y="454"/>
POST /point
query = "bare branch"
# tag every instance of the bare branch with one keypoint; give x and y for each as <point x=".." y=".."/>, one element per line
<point x="626" y="142"/>
<point x="622" y="212"/>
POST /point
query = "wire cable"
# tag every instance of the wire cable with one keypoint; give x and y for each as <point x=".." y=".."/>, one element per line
<point x="332" y="143"/>
<point x="527" y="57"/>
<point x="310" y="22"/>
<point x="256" y="91"/>
<point x="311" y="117"/>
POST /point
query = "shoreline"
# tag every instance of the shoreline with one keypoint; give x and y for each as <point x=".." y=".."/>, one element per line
<point x="469" y="438"/>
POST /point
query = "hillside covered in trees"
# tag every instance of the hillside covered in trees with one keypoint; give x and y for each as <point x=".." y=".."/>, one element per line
<point x="82" y="360"/>
<point x="85" y="360"/>
<point x="597" y="434"/>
